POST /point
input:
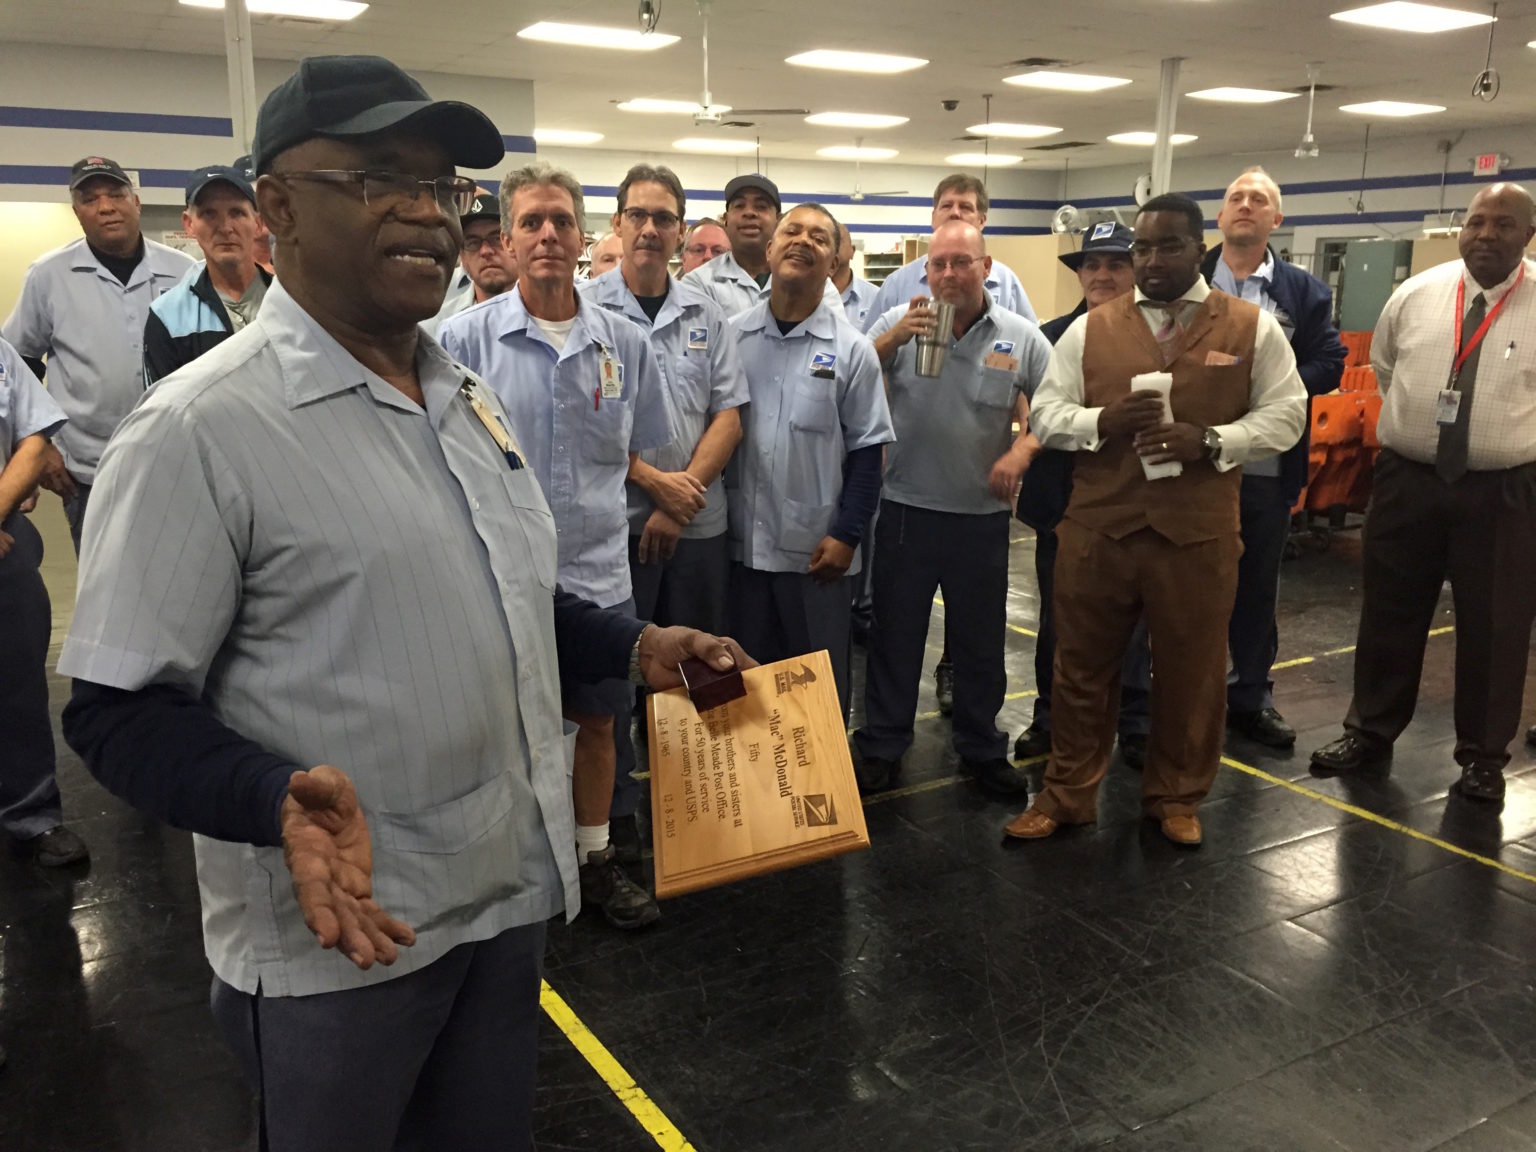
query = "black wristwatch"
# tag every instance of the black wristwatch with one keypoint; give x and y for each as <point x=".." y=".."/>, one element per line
<point x="1211" y="442"/>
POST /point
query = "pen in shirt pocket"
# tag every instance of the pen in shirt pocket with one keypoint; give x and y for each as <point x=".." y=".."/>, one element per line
<point x="1508" y="350"/>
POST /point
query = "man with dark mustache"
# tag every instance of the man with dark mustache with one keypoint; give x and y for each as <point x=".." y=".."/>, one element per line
<point x="1455" y="497"/>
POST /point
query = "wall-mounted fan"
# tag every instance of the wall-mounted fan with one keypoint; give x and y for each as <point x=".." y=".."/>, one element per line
<point x="1071" y="220"/>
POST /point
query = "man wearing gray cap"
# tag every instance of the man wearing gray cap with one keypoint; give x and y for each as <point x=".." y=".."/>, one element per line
<point x="204" y="310"/>
<point x="738" y="279"/>
<point x="334" y="555"/>
<point x="83" y="307"/>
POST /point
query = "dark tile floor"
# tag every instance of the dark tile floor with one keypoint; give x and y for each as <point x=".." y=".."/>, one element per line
<point x="1306" y="981"/>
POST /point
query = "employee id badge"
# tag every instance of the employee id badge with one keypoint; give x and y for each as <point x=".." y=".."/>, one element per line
<point x="610" y="380"/>
<point x="1447" y="405"/>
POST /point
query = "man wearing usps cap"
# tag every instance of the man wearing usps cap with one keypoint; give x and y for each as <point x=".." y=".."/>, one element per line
<point x="82" y="309"/>
<point x="203" y="310"/>
<point x="1103" y="267"/>
<point x="487" y="266"/>
<point x="337" y="662"/>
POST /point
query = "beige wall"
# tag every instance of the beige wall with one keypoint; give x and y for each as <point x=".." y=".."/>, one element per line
<point x="1051" y="287"/>
<point x="26" y="232"/>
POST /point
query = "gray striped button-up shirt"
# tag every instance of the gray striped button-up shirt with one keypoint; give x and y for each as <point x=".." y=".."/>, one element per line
<point x="345" y="579"/>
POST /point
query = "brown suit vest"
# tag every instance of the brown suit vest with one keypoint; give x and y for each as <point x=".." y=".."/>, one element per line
<point x="1109" y="492"/>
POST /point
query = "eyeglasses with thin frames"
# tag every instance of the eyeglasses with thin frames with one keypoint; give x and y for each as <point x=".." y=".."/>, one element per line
<point x="636" y="218"/>
<point x="475" y="244"/>
<point x="960" y="264"/>
<point x="1170" y="247"/>
<point x="383" y="190"/>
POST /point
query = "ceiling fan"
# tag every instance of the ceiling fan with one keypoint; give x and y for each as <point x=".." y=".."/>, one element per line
<point x="858" y="195"/>
<point x="711" y="115"/>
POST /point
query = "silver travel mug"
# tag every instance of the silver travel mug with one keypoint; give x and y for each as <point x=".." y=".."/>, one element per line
<point x="931" y="349"/>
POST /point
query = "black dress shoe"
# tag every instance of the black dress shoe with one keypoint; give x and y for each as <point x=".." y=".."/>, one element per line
<point x="57" y="847"/>
<point x="1032" y="742"/>
<point x="1133" y="750"/>
<point x="624" y="835"/>
<point x="1530" y="737"/>
<point x="1350" y="753"/>
<point x="998" y="776"/>
<point x="1481" y="781"/>
<point x="1266" y="727"/>
<point x="874" y="774"/>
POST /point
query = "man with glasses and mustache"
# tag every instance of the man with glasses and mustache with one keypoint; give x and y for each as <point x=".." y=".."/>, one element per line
<point x="1166" y="548"/>
<point x="679" y="554"/>
<point x="486" y="265"/>
<point x="337" y="554"/>
<point x="704" y="240"/>
<point x="950" y="479"/>
<point x="586" y="398"/>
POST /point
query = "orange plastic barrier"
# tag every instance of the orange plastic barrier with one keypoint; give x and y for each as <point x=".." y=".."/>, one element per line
<point x="1358" y="347"/>
<point x="1344" y="446"/>
<point x="1358" y="379"/>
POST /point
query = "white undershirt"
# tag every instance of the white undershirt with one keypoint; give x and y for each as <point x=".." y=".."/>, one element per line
<point x="558" y="331"/>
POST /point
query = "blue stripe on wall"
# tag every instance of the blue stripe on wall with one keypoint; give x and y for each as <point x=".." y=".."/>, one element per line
<point x="84" y="120"/>
<point x="1316" y="187"/>
<point x="58" y="176"/>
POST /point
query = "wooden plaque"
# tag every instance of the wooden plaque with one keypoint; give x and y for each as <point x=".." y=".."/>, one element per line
<point x="762" y="783"/>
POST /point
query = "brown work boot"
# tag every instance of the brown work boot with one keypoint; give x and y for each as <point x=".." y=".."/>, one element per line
<point x="604" y="883"/>
<point x="1030" y="824"/>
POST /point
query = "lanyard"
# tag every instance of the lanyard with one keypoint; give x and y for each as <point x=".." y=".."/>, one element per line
<point x="1482" y="329"/>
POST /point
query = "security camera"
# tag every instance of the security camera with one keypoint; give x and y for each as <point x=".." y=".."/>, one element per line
<point x="950" y="105"/>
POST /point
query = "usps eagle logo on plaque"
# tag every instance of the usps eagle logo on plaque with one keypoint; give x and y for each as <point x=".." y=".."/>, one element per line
<point x="820" y="811"/>
<point x="1103" y="229"/>
<point x="698" y="339"/>
<point x="787" y="681"/>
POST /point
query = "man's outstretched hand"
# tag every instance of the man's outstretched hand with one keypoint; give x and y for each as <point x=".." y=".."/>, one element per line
<point x="663" y="649"/>
<point x="328" y="853"/>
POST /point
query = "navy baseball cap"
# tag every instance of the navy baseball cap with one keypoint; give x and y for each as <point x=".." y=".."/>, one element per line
<point x="753" y="180"/>
<point x="347" y="97"/>
<point x="1105" y="238"/>
<point x="245" y="166"/>
<point x="213" y="174"/>
<point x="93" y="166"/>
<point x="484" y="207"/>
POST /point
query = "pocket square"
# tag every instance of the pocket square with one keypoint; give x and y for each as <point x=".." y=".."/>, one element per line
<point x="1220" y="359"/>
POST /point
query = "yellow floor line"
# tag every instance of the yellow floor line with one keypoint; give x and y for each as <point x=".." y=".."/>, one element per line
<point x="1297" y="663"/>
<point x="1375" y="818"/>
<point x="939" y="603"/>
<point x="630" y="1094"/>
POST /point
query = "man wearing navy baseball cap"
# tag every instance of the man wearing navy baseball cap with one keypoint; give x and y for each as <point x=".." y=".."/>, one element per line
<point x="317" y="624"/>
<point x="487" y="267"/>
<point x="204" y="310"/>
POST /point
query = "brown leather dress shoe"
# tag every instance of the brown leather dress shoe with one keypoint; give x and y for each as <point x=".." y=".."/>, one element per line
<point x="1030" y="824"/>
<point x="1183" y="830"/>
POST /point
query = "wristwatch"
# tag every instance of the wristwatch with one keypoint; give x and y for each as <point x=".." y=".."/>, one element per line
<point x="636" y="676"/>
<point x="1211" y="442"/>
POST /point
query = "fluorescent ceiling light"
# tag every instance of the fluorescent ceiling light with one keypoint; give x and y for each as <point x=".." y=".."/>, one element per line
<point x="854" y="120"/>
<point x="1401" y="16"/>
<point x="667" y="107"/>
<point x="1065" y="81"/>
<point x="850" y="152"/>
<point x="1390" y="108"/>
<point x="1013" y="131"/>
<point x="596" y="36"/>
<point x="982" y="159"/>
<point x="305" y="9"/>
<point x="721" y="144"/>
<point x="565" y="136"/>
<point x="840" y="61"/>
<point x="1242" y="95"/>
<point x="1148" y="139"/>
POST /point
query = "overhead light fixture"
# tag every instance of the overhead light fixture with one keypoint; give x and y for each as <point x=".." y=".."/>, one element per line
<point x="1442" y="224"/>
<point x="565" y="136"/>
<point x="840" y="61"/>
<point x="1402" y="16"/>
<point x="855" y="120"/>
<point x="723" y="145"/>
<point x="1013" y="131"/>
<point x="1053" y="81"/>
<point x="1242" y="95"/>
<point x="982" y="159"/>
<point x="852" y="152"/>
<point x="303" y="9"/>
<point x="1148" y="139"/>
<point x="596" y="36"/>
<point x="1396" y="108"/>
<point x="666" y="107"/>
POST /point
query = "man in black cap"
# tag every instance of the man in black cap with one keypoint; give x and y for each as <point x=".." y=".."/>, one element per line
<point x="738" y="279"/>
<point x="84" y="307"/>
<point x="321" y="545"/>
<point x="202" y="311"/>
<point x="1103" y="267"/>
<point x="487" y="266"/>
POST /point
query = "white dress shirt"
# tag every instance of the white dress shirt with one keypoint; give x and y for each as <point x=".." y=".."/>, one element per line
<point x="1412" y="354"/>
<point x="1277" y="399"/>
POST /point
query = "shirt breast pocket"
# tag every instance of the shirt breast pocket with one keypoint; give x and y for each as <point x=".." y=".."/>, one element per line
<point x="815" y="456"/>
<point x="605" y="432"/>
<point x="813" y="408"/>
<point x="690" y="384"/>
<point x="993" y="388"/>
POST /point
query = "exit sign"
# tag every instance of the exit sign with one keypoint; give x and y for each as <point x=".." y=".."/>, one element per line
<point x="1488" y="164"/>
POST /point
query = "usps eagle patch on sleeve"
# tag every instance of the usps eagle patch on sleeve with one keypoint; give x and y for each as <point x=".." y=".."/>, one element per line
<point x="1102" y="229"/>
<point x="698" y="339"/>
